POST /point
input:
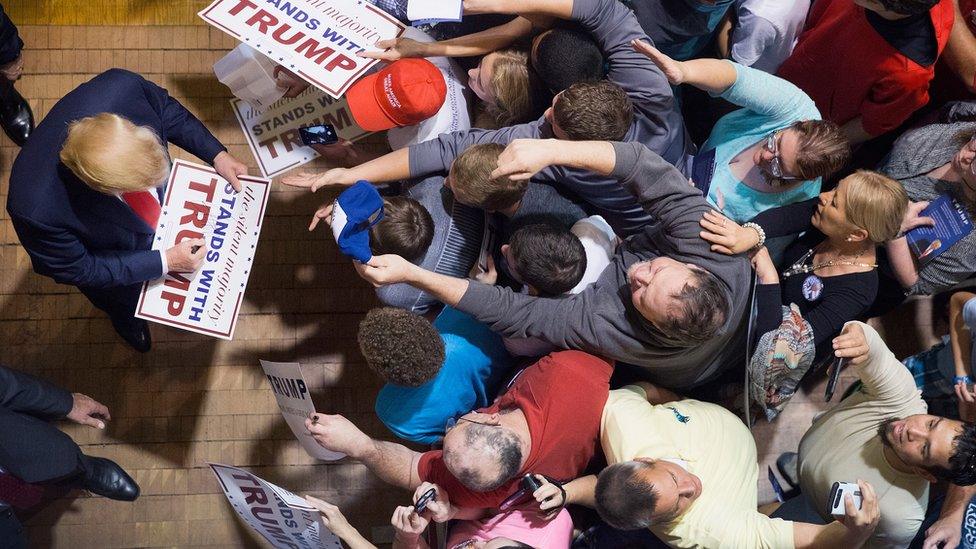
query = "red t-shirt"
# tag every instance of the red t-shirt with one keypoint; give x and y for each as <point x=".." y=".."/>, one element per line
<point x="849" y="69"/>
<point x="562" y="397"/>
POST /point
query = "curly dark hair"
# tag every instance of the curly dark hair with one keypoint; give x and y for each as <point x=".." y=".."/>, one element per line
<point x="962" y="462"/>
<point x="403" y="348"/>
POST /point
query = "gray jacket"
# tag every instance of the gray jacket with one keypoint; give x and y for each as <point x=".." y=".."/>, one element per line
<point x="657" y="122"/>
<point x="913" y="155"/>
<point x="602" y="319"/>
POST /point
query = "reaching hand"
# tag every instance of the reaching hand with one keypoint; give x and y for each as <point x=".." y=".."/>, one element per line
<point x="87" y="411"/>
<point x="967" y="404"/>
<point x="913" y="217"/>
<point x="673" y="70"/>
<point x="14" y="69"/>
<point x="324" y="213"/>
<point x="332" y="517"/>
<point x="551" y="498"/>
<point x="438" y="509"/>
<point x="229" y="168"/>
<point x="523" y="158"/>
<point x="726" y="236"/>
<point x="290" y="82"/>
<point x="489" y="276"/>
<point x="314" y="182"/>
<point x="407" y="523"/>
<point x="852" y="344"/>
<point x="337" y="434"/>
<point x="396" y="48"/>
<point x="764" y="267"/>
<point x="945" y="532"/>
<point x="187" y="256"/>
<point x="862" y="522"/>
<point x="382" y="270"/>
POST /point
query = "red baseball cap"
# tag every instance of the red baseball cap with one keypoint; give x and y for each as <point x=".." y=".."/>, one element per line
<point x="403" y="93"/>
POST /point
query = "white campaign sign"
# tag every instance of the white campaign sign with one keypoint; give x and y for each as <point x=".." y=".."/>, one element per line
<point x="283" y="518"/>
<point x="291" y="392"/>
<point x="316" y="39"/>
<point x="199" y="203"/>
<point x="273" y="134"/>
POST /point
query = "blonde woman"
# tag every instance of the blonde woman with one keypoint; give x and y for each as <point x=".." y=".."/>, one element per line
<point x="830" y="272"/>
<point x="85" y="191"/>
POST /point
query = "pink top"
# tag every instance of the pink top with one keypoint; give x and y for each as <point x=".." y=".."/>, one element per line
<point x="520" y="525"/>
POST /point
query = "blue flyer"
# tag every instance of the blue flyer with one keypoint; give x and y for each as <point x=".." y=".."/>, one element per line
<point x="952" y="223"/>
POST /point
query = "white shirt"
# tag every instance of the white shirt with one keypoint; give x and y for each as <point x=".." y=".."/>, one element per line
<point x="767" y="31"/>
<point x="453" y="115"/>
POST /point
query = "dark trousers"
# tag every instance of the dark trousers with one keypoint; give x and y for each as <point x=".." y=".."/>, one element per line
<point x="119" y="302"/>
<point x="11" y="530"/>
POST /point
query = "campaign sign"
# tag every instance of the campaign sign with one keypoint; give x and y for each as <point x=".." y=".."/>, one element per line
<point x="283" y="518"/>
<point x="273" y="134"/>
<point x="316" y="39"/>
<point x="201" y="204"/>
<point x="952" y="223"/>
<point x="291" y="392"/>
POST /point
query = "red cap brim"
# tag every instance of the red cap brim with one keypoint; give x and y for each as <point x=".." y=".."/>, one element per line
<point x="364" y="107"/>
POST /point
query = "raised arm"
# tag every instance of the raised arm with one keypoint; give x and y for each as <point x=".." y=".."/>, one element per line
<point x="479" y="43"/>
<point x="884" y="377"/>
<point x="960" y="51"/>
<point x="850" y="531"/>
<point x="182" y="128"/>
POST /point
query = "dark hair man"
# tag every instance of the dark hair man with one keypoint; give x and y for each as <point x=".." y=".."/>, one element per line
<point x="563" y="56"/>
<point x="549" y="260"/>
<point x="882" y="434"/>
<point x="666" y="303"/>
<point x="548" y="422"/>
<point x="634" y="104"/>
<point x="35" y="453"/>
<point x="434" y="371"/>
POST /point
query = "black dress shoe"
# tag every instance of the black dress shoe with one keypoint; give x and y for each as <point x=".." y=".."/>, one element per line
<point x="105" y="478"/>
<point x="16" y="117"/>
<point x="135" y="332"/>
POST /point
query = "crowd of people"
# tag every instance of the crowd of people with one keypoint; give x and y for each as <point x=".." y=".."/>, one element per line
<point x="586" y="242"/>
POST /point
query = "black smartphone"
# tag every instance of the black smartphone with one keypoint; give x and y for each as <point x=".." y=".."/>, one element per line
<point x="832" y="376"/>
<point x="423" y="500"/>
<point x="323" y="134"/>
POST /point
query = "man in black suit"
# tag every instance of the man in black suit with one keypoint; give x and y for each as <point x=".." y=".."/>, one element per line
<point x="16" y="117"/>
<point x="34" y="454"/>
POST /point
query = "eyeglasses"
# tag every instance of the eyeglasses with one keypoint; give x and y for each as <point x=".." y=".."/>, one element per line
<point x="776" y="164"/>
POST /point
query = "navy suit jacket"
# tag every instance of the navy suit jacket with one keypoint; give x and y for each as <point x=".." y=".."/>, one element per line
<point x="30" y="448"/>
<point x="77" y="235"/>
<point x="10" y="42"/>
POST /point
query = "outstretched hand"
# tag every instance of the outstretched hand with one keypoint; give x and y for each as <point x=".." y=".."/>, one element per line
<point x="87" y="411"/>
<point x="852" y="344"/>
<point x="315" y="181"/>
<point x="382" y="270"/>
<point x="395" y="49"/>
<point x="726" y="236"/>
<point x="523" y="158"/>
<point x="913" y="217"/>
<point x="673" y="70"/>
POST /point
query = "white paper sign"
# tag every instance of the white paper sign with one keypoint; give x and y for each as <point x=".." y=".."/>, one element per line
<point x="283" y="518"/>
<point x="316" y="39"/>
<point x="291" y="392"/>
<point x="201" y="204"/>
<point x="273" y="134"/>
<point x="433" y="11"/>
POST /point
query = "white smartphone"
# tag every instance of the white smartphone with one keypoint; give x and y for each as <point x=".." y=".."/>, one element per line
<point x="838" y="492"/>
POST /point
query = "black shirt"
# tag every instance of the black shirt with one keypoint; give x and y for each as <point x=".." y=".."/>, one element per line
<point x="913" y="36"/>
<point x="825" y="302"/>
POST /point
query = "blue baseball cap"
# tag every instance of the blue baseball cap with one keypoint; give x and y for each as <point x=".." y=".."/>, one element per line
<point x="354" y="211"/>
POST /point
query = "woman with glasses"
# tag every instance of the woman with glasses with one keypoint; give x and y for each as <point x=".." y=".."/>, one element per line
<point x="930" y="161"/>
<point x="771" y="152"/>
<point x="830" y="271"/>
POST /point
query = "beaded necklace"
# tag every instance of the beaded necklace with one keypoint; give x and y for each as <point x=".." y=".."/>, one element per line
<point x="800" y="267"/>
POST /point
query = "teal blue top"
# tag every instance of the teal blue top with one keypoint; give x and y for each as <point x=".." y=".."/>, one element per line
<point x="475" y="361"/>
<point x="768" y="104"/>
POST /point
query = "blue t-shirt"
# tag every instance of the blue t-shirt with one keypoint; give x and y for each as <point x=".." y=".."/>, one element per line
<point x="474" y="364"/>
<point x="768" y="104"/>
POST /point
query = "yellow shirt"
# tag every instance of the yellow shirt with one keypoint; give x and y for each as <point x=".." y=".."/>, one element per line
<point x="719" y="450"/>
<point x="843" y="446"/>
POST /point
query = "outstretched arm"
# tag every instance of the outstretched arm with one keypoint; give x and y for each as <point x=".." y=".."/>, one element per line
<point x="960" y="51"/>
<point x="394" y="463"/>
<point x="479" y="43"/>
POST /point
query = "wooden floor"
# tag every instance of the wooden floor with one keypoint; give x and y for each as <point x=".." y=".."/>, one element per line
<point x="194" y="399"/>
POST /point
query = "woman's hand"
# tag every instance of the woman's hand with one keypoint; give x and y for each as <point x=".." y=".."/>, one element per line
<point x="726" y="236"/>
<point x="913" y="218"/>
<point x="395" y="49"/>
<point x="765" y="269"/>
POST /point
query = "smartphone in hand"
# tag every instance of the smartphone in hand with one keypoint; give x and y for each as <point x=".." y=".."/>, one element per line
<point x="322" y="134"/>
